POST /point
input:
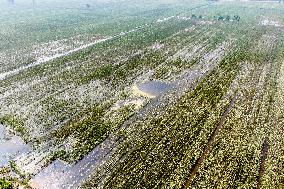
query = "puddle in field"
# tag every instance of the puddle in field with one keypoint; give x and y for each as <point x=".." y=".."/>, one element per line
<point x="60" y="175"/>
<point x="151" y="89"/>
<point x="11" y="146"/>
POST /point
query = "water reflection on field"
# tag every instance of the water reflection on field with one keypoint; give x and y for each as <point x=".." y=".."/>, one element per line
<point x="152" y="89"/>
<point x="11" y="146"/>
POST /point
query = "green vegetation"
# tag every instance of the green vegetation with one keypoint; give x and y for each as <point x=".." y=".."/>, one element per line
<point x="4" y="184"/>
<point x="15" y="124"/>
<point x="218" y="126"/>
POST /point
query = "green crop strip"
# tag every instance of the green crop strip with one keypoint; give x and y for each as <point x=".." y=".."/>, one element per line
<point x="15" y="124"/>
<point x="89" y="128"/>
<point x="4" y="184"/>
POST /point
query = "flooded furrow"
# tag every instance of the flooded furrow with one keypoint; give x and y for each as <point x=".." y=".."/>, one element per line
<point x="11" y="146"/>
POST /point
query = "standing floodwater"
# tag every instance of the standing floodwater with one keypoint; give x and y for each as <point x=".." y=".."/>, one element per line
<point x="11" y="146"/>
<point x="152" y="89"/>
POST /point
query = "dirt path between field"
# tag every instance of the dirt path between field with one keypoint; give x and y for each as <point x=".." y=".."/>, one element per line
<point x="263" y="155"/>
<point x="209" y="145"/>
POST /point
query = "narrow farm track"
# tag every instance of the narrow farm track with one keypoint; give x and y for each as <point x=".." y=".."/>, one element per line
<point x="209" y="145"/>
<point x="263" y="156"/>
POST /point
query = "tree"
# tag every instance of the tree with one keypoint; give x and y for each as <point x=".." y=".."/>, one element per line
<point x="228" y="18"/>
<point x="221" y="18"/>
<point x="236" y="18"/>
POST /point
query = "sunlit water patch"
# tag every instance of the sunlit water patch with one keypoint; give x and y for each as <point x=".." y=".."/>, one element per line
<point x="60" y="175"/>
<point x="151" y="89"/>
<point x="11" y="146"/>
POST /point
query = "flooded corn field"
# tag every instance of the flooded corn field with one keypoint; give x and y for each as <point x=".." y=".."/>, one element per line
<point x="141" y="94"/>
